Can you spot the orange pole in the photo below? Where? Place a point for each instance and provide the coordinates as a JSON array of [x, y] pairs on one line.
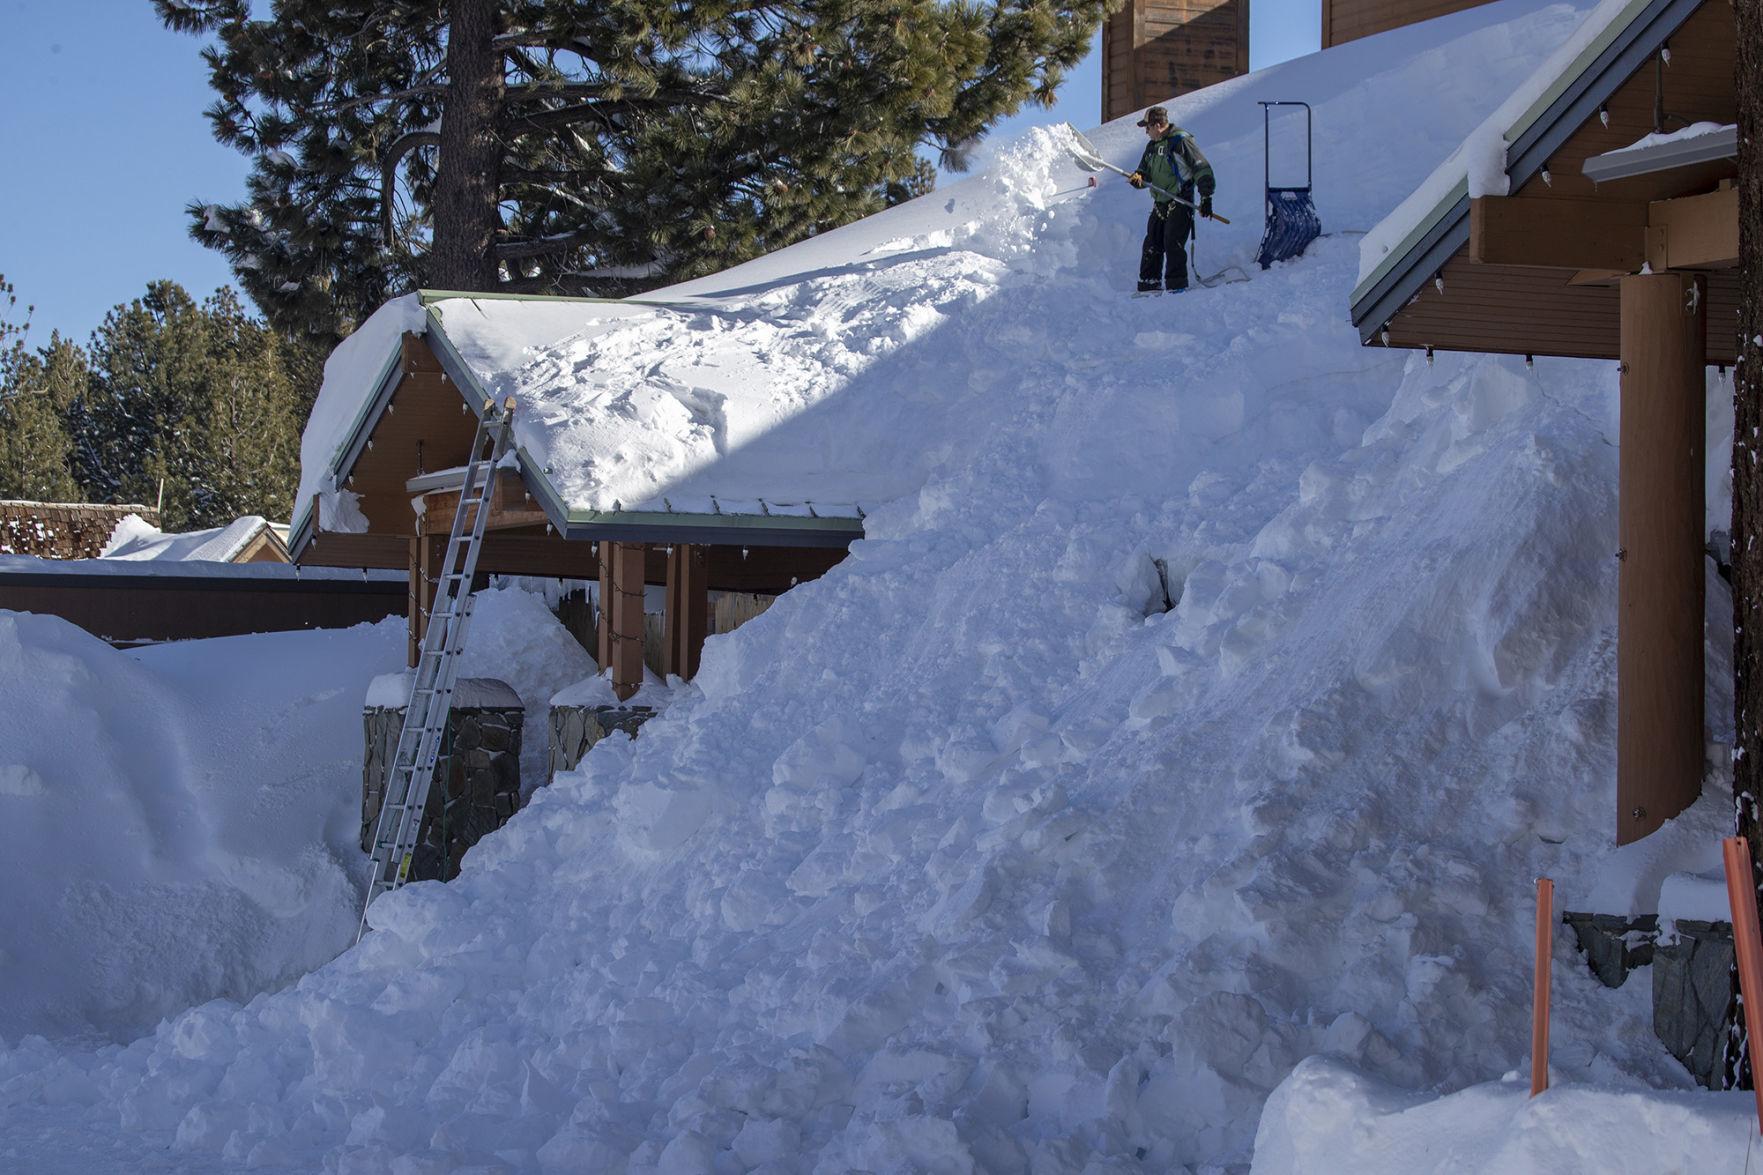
[[1742, 895], [1539, 1012]]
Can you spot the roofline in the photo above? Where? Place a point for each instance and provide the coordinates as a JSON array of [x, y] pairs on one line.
[[1524, 121], [430, 297], [301, 526], [752, 530], [1600, 69]]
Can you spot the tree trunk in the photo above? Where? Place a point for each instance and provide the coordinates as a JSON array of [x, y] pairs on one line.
[[468, 178], [1747, 452]]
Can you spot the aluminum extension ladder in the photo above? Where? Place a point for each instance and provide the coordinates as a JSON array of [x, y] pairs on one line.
[[412, 768]]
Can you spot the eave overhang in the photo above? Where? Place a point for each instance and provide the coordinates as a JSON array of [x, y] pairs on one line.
[[1570, 101]]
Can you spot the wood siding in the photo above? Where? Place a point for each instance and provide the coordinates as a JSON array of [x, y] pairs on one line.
[[1155, 50], [1348, 20]]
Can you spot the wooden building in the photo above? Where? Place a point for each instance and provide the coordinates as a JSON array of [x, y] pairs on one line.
[[1155, 50], [394, 475], [1618, 241], [1348, 20]]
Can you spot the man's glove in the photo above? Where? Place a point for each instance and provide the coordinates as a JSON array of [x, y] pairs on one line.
[[1136, 180], [1205, 205]]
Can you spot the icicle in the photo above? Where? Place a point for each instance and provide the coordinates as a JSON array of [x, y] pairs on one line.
[[1384, 334], [1429, 356], [1665, 53], [1604, 115], [1548, 180], [1438, 282]]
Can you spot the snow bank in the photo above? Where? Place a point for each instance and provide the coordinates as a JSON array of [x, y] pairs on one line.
[[175, 821], [1327, 1117], [180, 821], [972, 855]]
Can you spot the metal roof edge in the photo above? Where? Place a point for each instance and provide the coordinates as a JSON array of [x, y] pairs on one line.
[[1632, 161], [753, 530], [1365, 289]]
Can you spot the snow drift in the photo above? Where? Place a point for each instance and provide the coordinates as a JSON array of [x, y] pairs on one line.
[[1209, 703]]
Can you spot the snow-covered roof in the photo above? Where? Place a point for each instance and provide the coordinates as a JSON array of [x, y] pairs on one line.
[[744, 399], [137, 539], [1408, 246]]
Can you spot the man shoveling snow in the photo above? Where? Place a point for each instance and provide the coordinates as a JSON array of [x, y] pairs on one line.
[[1173, 167]]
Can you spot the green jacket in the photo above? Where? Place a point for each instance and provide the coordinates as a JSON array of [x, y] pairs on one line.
[[1172, 161]]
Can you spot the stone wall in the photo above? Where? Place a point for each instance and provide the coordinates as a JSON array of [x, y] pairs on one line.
[[477, 779], [62, 530], [1691, 978], [575, 730]]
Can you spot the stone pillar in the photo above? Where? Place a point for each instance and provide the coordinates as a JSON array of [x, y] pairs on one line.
[[575, 730], [1659, 672], [476, 783]]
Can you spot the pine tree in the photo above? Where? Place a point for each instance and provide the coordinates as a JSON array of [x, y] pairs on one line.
[[35, 392], [197, 399], [552, 146], [35, 389], [247, 430]]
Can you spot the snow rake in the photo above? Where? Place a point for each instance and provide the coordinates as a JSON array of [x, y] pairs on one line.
[[1084, 152], [410, 774], [1292, 222]]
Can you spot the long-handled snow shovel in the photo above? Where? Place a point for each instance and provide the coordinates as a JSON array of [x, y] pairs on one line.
[[1084, 152]]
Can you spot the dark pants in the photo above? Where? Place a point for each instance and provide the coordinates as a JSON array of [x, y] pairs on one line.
[[1166, 247]]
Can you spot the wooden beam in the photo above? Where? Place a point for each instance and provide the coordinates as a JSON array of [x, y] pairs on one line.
[[603, 631], [1696, 232], [688, 608], [1659, 660], [384, 552], [511, 506], [1557, 233]]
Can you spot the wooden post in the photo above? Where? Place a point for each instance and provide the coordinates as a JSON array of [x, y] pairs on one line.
[[431, 551], [1742, 896], [413, 606], [688, 608], [1539, 1009], [624, 610], [603, 629], [1659, 738]]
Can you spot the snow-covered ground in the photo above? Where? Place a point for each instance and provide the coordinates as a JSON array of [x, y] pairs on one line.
[[969, 856]]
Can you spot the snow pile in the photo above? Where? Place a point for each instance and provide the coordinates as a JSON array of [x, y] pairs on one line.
[[975, 854], [180, 821], [137, 539], [176, 820], [1363, 1126]]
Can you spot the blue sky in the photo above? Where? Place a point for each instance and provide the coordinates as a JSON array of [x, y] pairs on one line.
[[101, 117]]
